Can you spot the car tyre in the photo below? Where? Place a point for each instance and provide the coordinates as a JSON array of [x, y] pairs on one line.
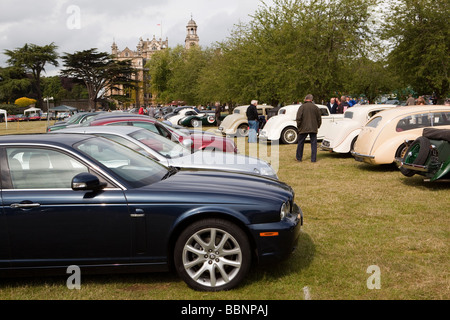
[[243, 130], [417, 153], [195, 123], [289, 135], [212, 255]]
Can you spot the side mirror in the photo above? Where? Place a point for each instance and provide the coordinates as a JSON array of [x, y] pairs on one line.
[[188, 143], [87, 181]]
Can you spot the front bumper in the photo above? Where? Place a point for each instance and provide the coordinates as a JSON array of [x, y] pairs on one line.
[[276, 241]]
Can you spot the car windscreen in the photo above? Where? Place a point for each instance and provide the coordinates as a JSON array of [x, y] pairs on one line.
[[132, 167], [165, 147]]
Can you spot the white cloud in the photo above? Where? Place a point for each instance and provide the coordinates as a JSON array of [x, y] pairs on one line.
[[102, 21]]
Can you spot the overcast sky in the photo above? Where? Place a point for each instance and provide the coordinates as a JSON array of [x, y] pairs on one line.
[[75, 25]]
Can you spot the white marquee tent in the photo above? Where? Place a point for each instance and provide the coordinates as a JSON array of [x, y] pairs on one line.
[[6, 116], [32, 110]]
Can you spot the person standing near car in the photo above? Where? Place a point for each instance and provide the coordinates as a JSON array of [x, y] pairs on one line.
[[218, 113], [309, 120], [253, 123], [343, 105], [411, 101]]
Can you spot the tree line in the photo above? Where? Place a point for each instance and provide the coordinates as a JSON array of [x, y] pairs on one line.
[[287, 50]]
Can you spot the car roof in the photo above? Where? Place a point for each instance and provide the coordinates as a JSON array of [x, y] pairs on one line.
[[131, 117], [44, 138], [101, 129], [397, 111]]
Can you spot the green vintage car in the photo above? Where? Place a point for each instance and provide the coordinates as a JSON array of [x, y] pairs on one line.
[[428, 155], [199, 119]]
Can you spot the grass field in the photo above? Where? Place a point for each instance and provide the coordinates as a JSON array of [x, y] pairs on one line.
[[355, 216]]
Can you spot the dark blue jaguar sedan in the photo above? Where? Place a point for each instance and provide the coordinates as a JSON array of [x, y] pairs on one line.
[[87, 201]]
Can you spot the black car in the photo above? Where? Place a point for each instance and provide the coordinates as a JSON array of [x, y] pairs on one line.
[[82, 200]]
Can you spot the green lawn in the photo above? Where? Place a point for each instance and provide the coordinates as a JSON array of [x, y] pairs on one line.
[[355, 216]]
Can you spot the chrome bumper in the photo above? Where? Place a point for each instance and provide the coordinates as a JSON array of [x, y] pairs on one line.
[[361, 157], [399, 162]]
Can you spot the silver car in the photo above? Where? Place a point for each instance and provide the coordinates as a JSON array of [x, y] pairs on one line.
[[174, 154]]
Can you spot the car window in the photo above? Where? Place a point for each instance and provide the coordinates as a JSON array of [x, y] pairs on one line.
[[414, 121], [236, 111], [165, 147], [131, 167], [348, 115], [282, 111], [118, 123], [441, 119], [374, 122], [372, 113], [127, 143], [147, 125], [324, 112], [35, 168]]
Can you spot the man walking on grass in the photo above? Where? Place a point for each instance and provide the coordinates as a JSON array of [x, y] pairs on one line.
[[309, 120]]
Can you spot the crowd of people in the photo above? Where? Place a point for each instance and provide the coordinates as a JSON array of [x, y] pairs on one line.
[[338, 105]]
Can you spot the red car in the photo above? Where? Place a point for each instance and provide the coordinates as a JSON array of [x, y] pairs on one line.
[[199, 141], [12, 118]]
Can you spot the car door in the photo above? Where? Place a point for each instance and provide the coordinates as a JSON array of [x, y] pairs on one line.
[[327, 122], [51, 224]]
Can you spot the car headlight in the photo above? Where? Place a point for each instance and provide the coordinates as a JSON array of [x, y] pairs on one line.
[[285, 209], [266, 170]]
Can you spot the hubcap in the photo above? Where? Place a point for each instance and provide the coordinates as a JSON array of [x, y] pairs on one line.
[[212, 257], [290, 136]]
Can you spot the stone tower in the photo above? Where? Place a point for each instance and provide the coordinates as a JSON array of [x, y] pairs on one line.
[[192, 38]]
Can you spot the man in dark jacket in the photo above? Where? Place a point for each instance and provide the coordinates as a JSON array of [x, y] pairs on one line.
[[309, 120], [252, 117]]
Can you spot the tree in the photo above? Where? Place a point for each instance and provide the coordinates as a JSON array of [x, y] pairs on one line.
[[418, 32], [13, 84], [24, 102], [33, 58], [98, 71], [294, 47]]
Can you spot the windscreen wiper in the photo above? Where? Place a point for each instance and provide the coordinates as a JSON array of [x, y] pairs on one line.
[[170, 172]]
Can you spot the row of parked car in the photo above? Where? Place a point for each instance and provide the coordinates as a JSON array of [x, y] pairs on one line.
[[386, 134], [375, 134], [123, 192]]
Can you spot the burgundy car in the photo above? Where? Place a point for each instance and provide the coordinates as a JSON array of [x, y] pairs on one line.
[[200, 141]]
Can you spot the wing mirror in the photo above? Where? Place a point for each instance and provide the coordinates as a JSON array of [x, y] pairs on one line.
[[87, 181]]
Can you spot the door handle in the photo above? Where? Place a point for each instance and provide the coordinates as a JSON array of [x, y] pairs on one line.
[[25, 205], [139, 214]]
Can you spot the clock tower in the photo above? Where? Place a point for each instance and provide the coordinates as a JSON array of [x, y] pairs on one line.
[[192, 38]]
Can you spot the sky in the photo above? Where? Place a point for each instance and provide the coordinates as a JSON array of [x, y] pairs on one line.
[[76, 25]]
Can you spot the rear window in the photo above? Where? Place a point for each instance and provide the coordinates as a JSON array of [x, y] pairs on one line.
[[348, 115], [430, 119], [374, 122]]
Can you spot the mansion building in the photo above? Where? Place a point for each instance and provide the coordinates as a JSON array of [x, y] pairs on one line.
[[142, 96]]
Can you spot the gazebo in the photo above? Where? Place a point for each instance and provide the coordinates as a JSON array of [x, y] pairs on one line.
[[5, 114], [32, 110]]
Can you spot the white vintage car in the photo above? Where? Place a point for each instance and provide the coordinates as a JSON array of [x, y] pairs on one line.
[[343, 134], [237, 124], [283, 126]]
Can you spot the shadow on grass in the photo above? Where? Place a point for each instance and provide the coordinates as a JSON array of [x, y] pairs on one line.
[[378, 168], [419, 182], [131, 280], [300, 259]]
